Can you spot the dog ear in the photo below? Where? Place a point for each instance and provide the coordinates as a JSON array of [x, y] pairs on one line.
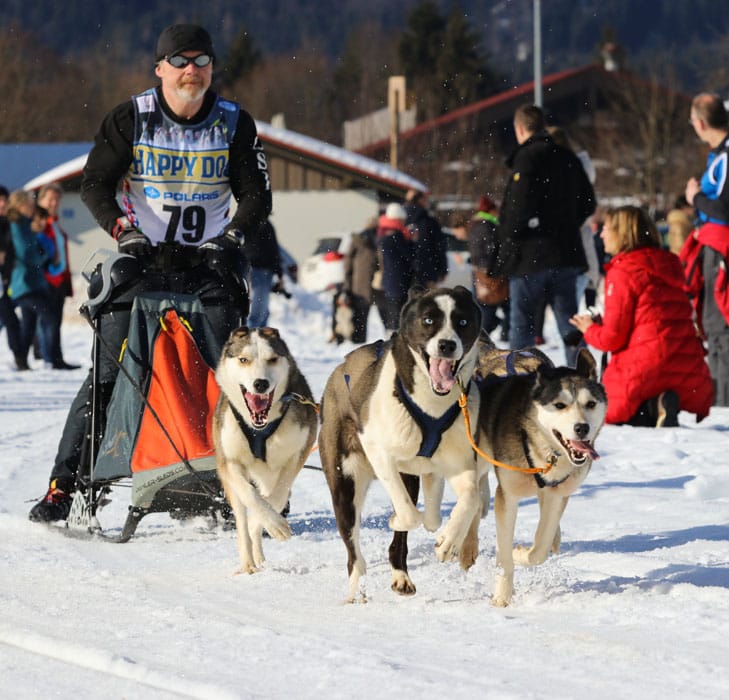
[[460, 289], [586, 365], [268, 332], [236, 335], [240, 333], [415, 292]]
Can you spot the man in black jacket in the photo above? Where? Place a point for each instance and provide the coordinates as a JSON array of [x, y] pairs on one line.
[[264, 258], [546, 201], [430, 262], [180, 151]]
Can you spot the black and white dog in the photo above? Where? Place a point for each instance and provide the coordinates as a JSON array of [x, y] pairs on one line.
[[390, 411]]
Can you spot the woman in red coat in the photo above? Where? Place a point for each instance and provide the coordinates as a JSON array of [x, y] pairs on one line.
[[657, 364]]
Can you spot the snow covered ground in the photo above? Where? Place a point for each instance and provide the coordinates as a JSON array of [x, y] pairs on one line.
[[635, 605]]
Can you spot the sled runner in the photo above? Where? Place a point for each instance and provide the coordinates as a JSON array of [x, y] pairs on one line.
[[157, 429]]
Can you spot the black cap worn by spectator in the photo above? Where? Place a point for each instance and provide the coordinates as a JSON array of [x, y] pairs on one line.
[[183, 37]]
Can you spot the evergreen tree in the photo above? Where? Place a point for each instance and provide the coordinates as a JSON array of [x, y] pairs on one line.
[[241, 59], [442, 61], [462, 71]]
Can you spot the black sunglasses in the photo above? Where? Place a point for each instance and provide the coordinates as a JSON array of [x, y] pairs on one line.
[[181, 61]]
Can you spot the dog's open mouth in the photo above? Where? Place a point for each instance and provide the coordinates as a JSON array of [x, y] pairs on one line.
[[578, 451], [258, 407], [442, 373]]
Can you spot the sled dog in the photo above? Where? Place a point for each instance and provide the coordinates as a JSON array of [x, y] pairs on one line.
[[342, 317], [264, 426], [543, 419], [390, 412]]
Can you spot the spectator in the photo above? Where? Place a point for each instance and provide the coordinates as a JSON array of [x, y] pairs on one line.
[[58, 271], [360, 265], [587, 282], [710, 198], [546, 201], [430, 262], [460, 229], [28, 286], [680, 221], [483, 246], [8, 318], [395, 262], [264, 259], [657, 364], [187, 247]]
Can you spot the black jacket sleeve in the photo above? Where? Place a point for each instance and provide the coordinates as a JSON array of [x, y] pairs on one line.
[[250, 181], [106, 164]]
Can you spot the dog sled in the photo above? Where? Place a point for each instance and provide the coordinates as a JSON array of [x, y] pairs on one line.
[[155, 437]]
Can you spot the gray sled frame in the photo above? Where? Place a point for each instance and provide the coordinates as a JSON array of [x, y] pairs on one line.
[[185, 487]]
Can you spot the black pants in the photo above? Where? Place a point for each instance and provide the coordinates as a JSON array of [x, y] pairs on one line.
[[12, 325], [389, 309], [718, 358], [360, 315], [224, 308]]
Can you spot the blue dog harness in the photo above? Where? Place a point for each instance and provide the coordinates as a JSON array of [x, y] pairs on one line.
[[432, 429], [257, 436]]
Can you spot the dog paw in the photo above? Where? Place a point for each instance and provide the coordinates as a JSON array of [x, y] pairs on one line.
[[276, 526], [468, 555], [521, 555], [527, 556], [446, 549], [249, 568], [403, 523], [402, 584], [503, 591], [357, 599]]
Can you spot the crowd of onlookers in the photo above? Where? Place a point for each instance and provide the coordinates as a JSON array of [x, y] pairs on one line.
[[36, 278], [655, 304]]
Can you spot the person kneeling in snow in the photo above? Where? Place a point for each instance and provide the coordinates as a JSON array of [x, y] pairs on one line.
[[657, 364]]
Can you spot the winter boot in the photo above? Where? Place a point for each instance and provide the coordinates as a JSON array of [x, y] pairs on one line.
[[56, 504], [668, 407]]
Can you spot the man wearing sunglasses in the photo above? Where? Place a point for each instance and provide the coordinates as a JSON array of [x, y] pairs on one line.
[[180, 152]]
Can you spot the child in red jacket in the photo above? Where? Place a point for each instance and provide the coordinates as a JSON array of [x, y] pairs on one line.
[[657, 364]]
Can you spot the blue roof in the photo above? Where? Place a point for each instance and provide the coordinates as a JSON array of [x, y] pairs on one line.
[[21, 162]]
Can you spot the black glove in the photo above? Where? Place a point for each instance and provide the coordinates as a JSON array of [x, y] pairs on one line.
[[130, 240], [231, 239], [224, 255]]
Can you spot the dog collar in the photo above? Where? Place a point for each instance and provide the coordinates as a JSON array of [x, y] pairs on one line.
[[541, 481]]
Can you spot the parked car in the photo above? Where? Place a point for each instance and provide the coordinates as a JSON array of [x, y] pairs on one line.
[[324, 269]]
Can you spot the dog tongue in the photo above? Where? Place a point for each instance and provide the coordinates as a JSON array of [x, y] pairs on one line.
[[256, 402], [585, 448], [441, 374]]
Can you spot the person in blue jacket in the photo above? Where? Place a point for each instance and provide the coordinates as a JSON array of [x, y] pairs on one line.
[[28, 287]]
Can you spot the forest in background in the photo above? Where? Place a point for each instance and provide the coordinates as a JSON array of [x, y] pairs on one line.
[[321, 63]]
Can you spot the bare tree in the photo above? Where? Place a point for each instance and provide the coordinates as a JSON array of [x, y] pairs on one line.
[[644, 136]]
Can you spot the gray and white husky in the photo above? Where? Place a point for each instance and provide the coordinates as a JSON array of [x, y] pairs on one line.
[[264, 427], [547, 418]]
